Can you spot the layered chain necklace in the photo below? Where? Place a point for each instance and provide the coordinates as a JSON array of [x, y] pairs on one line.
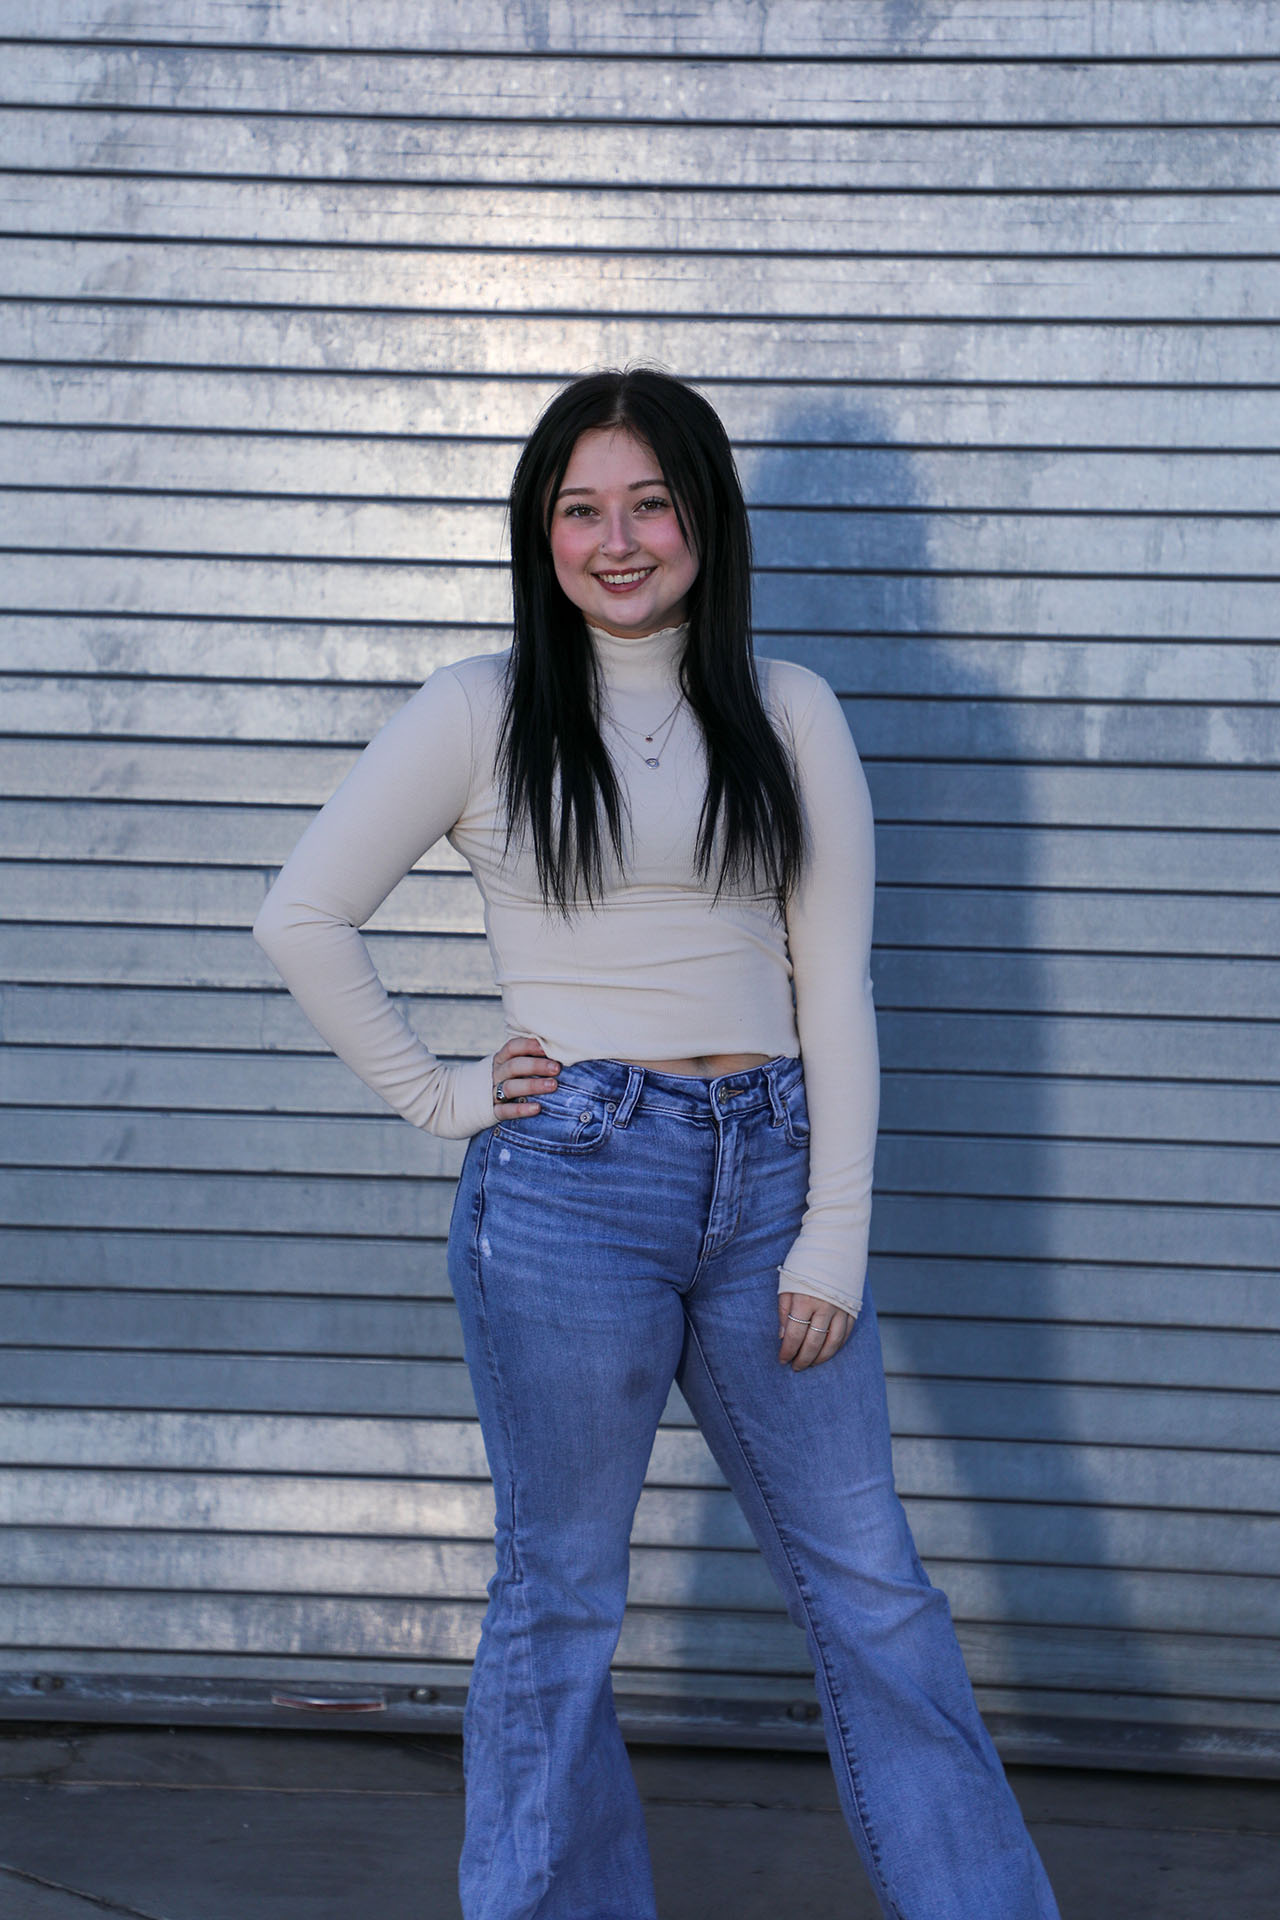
[[668, 723]]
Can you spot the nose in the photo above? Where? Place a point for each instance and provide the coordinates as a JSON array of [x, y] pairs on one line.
[[615, 534]]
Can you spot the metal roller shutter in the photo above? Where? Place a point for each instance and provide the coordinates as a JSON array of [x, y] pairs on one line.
[[986, 296]]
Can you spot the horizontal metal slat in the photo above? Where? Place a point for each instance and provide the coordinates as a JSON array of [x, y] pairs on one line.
[[999, 1225], [38, 650], [80, 1320], [1178, 480], [952, 911], [256, 589], [783, 409], [922, 1039], [1029, 1104], [1042, 353], [1043, 800], [247, 80], [963, 980], [786, 537], [190, 840], [183, 956], [979, 1162], [1141, 1472], [260, 1022], [1012, 1227], [309, 191], [954, 1284], [979, 1529], [668, 285], [931, 1406], [441, 1573], [1129, 29], [1161, 1663]]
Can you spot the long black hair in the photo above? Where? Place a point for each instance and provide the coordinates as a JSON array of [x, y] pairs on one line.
[[555, 773]]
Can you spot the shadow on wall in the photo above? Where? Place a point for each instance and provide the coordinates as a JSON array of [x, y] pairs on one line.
[[988, 1428]]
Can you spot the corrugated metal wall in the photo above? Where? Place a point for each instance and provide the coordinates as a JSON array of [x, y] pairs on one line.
[[985, 294]]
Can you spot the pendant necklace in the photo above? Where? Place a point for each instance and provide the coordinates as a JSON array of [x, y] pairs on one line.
[[654, 759]]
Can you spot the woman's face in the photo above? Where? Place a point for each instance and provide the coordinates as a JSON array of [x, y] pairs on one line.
[[617, 546]]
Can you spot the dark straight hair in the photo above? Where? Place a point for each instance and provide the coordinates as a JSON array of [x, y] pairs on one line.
[[555, 772]]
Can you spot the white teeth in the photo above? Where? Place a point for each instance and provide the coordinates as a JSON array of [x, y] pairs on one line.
[[624, 579]]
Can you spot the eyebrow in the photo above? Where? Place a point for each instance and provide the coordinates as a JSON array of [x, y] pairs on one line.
[[635, 487]]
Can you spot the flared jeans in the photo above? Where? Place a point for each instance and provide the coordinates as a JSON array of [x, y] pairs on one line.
[[626, 1236]]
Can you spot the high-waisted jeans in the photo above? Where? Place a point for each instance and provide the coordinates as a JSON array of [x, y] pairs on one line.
[[627, 1235]]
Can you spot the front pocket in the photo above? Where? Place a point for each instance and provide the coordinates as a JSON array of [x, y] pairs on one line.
[[567, 1122]]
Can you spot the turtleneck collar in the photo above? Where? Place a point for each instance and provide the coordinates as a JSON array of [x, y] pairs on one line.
[[634, 666]]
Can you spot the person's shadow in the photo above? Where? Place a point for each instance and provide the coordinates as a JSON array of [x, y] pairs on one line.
[[990, 1414]]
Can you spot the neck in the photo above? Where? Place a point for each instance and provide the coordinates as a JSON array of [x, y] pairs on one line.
[[635, 665]]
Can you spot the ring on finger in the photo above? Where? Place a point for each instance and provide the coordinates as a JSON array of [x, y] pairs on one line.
[[500, 1092], [811, 1324]]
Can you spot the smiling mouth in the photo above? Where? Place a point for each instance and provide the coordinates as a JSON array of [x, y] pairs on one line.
[[625, 579]]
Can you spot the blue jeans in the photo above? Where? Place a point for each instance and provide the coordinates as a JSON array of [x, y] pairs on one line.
[[627, 1235]]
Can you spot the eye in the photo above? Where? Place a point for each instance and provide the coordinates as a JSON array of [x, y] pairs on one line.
[[655, 500], [577, 510]]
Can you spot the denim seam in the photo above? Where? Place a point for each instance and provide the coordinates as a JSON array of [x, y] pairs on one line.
[[651, 1106], [581, 1146], [708, 1253], [847, 1743], [518, 1584]]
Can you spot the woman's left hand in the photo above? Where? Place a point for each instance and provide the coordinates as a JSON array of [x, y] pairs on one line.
[[809, 1330]]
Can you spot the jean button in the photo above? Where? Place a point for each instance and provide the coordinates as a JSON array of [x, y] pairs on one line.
[[586, 1116]]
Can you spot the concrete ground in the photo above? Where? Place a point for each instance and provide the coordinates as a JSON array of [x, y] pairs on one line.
[[152, 1823]]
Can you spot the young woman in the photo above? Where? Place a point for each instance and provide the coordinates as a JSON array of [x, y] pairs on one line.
[[669, 1169]]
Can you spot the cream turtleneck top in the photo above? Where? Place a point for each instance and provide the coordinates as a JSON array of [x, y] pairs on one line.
[[658, 972]]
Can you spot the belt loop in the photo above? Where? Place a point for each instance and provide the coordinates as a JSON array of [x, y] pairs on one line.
[[775, 1098], [626, 1106]]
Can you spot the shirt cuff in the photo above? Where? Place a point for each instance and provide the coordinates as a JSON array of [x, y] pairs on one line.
[[789, 1282], [465, 1106]]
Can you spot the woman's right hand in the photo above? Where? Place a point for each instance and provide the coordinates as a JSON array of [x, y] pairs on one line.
[[522, 1069]]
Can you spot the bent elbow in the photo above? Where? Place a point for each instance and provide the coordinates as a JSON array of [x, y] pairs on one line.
[[266, 926], [277, 918], [287, 921]]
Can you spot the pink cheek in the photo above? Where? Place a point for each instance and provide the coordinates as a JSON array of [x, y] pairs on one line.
[[567, 549]]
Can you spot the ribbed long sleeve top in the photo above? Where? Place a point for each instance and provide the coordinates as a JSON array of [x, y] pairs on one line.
[[658, 970]]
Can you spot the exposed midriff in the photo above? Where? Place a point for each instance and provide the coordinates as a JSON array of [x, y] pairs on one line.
[[708, 1066]]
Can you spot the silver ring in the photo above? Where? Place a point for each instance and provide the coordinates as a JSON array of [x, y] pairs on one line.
[[811, 1324], [500, 1093]]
